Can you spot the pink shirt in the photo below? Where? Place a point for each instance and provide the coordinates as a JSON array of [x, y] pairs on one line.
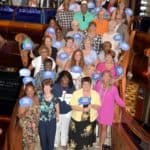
[[108, 99], [101, 67]]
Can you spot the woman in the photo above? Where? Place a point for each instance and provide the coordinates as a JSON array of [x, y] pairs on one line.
[[49, 113], [89, 71], [64, 6], [37, 63], [106, 46], [95, 38], [108, 64], [109, 95], [47, 42], [76, 31], [119, 14], [63, 88], [90, 56], [64, 16], [109, 4], [38, 78], [77, 59], [100, 3], [109, 36], [68, 49], [33, 3], [25, 55], [83, 118], [29, 118], [67, 4], [53, 24], [101, 22], [59, 38]]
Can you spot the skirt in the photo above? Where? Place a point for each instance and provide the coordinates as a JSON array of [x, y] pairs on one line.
[[82, 134]]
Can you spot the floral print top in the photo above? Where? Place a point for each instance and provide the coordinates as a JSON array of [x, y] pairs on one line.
[[47, 108]]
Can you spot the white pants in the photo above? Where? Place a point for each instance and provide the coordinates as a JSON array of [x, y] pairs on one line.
[[62, 129]]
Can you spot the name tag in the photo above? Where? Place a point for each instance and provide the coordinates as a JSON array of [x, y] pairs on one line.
[[66, 98]]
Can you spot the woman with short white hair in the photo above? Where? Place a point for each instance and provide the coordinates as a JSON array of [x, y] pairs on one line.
[[76, 34]]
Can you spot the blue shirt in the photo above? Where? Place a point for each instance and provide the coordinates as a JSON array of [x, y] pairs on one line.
[[90, 58]]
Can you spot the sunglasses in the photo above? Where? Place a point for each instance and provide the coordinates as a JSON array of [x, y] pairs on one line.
[[83, 18]]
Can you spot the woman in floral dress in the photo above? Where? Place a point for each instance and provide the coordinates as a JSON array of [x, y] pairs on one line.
[[29, 118]]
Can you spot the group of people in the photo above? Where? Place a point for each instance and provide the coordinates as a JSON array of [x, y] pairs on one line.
[[67, 107]]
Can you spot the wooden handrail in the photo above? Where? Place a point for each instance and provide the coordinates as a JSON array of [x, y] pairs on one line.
[[5, 118], [13, 140], [120, 139], [26, 25], [135, 127], [118, 131], [33, 30]]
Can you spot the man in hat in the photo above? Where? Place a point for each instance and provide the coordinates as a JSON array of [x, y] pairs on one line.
[[84, 17]]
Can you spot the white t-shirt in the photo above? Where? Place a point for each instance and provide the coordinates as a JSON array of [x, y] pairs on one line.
[[38, 65]]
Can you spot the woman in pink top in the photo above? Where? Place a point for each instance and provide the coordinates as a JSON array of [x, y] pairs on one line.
[[108, 64], [109, 95]]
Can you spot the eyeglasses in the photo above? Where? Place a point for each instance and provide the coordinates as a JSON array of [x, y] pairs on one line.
[[83, 18]]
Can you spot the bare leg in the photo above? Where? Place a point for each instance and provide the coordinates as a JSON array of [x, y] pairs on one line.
[[31, 146], [103, 133]]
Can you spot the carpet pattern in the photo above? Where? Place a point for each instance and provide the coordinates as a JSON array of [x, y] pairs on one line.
[[131, 97]]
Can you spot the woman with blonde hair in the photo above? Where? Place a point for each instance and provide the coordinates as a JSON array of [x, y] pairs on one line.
[[76, 32], [101, 22], [68, 51], [109, 96], [90, 56]]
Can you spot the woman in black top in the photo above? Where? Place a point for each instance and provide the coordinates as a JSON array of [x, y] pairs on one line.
[[63, 88]]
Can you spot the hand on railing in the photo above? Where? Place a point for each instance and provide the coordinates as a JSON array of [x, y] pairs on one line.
[[125, 116], [1, 131]]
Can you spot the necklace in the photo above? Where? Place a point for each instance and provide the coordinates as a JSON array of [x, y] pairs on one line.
[[47, 97]]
